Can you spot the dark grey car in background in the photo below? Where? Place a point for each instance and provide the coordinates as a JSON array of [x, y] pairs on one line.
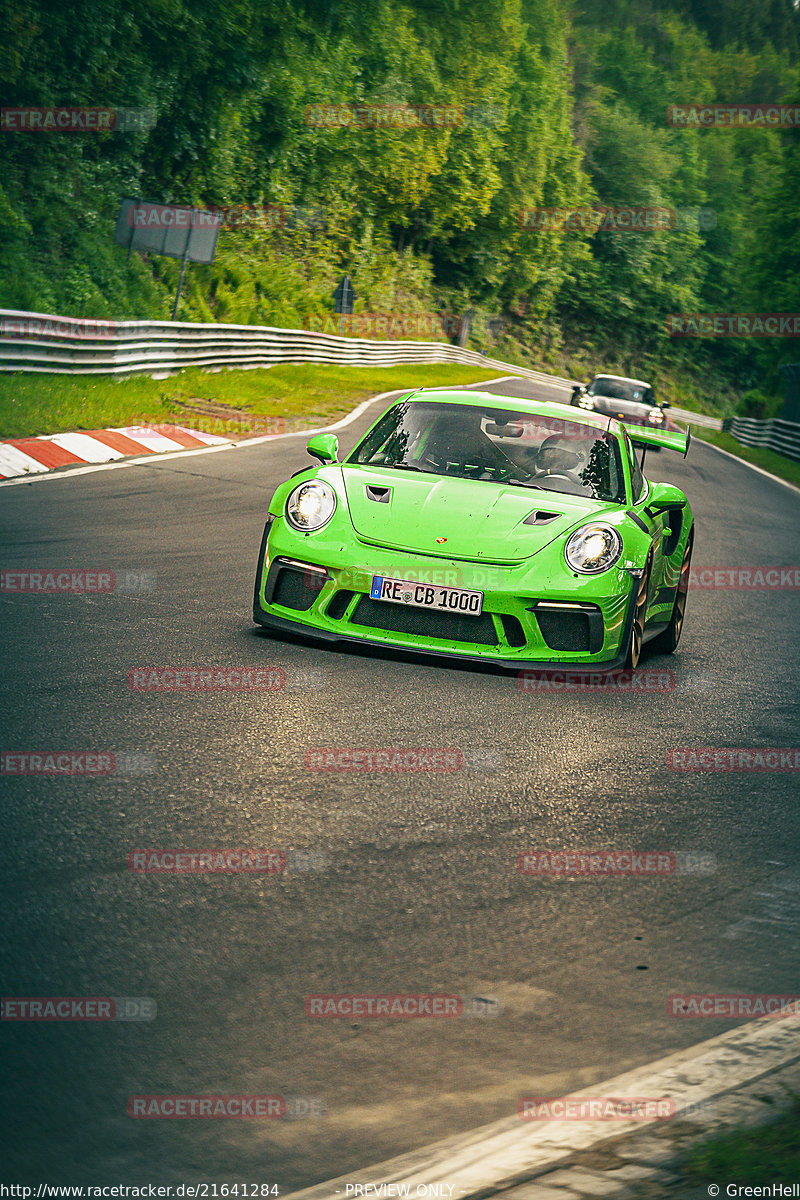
[[630, 400]]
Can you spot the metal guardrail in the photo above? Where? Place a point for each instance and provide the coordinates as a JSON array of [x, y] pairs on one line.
[[42, 342], [693, 418], [775, 434]]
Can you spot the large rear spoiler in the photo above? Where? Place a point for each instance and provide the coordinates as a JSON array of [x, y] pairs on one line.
[[671, 439]]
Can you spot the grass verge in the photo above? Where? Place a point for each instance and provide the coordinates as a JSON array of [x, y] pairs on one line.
[[765, 1155], [299, 395], [768, 460]]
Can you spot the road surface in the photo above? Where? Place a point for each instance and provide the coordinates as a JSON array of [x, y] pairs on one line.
[[415, 886]]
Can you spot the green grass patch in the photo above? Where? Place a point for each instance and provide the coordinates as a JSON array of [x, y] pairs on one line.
[[768, 1154], [300, 394], [768, 460]]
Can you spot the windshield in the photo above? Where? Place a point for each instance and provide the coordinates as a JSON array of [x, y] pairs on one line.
[[620, 389], [469, 441]]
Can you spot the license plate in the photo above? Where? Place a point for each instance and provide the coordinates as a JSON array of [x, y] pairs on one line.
[[426, 595]]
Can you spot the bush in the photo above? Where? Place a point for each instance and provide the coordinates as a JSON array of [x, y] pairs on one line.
[[758, 405]]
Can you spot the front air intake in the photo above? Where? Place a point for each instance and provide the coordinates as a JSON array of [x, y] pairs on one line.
[[571, 628], [293, 585], [422, 622], [338, 605], [512, 628]]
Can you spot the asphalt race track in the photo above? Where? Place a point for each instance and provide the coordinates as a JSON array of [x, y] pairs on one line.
[[414, 885]]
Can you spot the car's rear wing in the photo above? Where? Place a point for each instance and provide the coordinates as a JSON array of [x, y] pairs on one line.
[[671, 439]]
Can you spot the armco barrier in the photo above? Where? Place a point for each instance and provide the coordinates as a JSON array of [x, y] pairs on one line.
[[69, 345], [42, 342], [782, 436]]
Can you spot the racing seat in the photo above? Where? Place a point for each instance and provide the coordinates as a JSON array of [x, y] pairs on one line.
[[451, 441]]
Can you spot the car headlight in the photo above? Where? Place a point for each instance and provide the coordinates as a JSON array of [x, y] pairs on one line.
[[593, 548], [310, 506], [655, 416], [586, 402]]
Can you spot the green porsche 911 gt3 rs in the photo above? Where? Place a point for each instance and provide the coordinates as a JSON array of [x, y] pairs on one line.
[[482, 527]]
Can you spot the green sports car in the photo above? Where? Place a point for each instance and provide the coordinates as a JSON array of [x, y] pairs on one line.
[[483, 527]]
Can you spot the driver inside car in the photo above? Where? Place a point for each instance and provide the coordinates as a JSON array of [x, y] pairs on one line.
[[566, 460]]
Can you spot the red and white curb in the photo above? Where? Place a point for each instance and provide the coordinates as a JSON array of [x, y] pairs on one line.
[[18, 466], [512, 1151], [36, 455], [22, 459]]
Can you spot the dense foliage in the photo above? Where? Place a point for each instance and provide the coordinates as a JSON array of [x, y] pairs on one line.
[[560, 106]]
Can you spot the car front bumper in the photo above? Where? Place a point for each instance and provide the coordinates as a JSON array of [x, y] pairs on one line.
[[533, 617]]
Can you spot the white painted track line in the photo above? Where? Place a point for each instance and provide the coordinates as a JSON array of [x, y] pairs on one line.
[[752, 466], [174, 449], [180, 452]]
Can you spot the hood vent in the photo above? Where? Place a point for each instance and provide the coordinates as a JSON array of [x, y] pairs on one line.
[[379, 494], [538, 517]]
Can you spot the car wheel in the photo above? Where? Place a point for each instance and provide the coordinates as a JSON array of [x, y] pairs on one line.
[[667, 642], [636, 639]]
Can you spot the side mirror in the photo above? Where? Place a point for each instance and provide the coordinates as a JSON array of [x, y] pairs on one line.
[[665, 404], [324, 446], [663, 497]]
